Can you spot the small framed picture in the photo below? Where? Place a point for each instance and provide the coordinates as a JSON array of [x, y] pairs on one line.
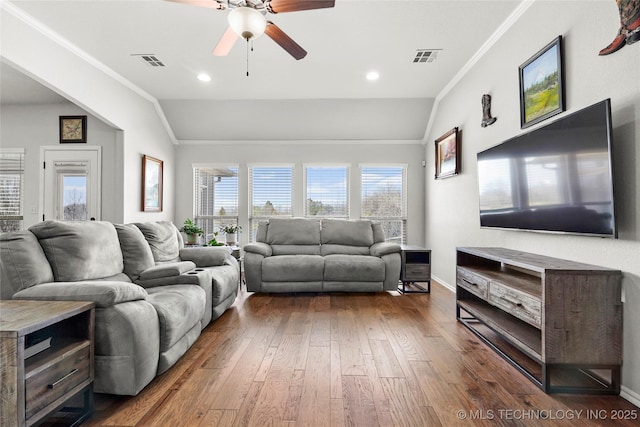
[[73, 129], [152, 170], [541, 85], [448, 154]]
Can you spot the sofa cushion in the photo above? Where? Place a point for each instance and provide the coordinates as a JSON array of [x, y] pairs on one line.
[[343, 232], [102, 293], [22, 263], [296, 249], [357, 268], [135, 250], [330, 249], [179, 307], [80, 250], [293, 231], [163, 240], [297, 268]]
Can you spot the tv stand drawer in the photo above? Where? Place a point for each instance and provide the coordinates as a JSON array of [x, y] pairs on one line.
[[516, 303]]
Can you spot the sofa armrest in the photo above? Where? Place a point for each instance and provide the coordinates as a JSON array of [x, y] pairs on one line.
[[102, 293], [384, 248], [208, 256], [166, 270], [258, 248]]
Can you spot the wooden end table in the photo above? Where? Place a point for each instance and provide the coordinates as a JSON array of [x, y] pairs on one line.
[[46, 348], [416, 267]]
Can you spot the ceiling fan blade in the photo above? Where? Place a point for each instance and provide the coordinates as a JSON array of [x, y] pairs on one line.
[[212, 4], [284, 41], [278, 6], [226, 43]]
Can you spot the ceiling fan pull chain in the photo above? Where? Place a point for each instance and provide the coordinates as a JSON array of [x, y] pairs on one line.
[[247, 57]]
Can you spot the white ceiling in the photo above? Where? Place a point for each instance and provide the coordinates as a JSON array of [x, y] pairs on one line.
[[323, 96]]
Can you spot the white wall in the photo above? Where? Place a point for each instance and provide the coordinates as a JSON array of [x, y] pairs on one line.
[[298, 154], [60, 66], [33, 126], [452, 205]]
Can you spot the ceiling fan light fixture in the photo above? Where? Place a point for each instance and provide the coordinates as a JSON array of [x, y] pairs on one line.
[[247, 22]]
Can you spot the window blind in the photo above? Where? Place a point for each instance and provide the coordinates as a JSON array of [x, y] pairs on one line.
[[270, 193], [11, 190]]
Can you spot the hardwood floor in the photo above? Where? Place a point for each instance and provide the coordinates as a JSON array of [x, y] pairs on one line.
[[349, 360]]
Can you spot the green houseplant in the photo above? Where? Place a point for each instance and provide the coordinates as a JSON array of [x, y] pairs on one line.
[[192, 231], [214, 241], [231, 233]]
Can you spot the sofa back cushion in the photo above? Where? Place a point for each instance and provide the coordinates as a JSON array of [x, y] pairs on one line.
[[22, 263], [136, 252], [349, 233], [293, 231], [80, 250], [162, 237]]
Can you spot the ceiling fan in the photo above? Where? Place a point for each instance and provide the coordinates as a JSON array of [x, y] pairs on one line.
[[248, 20]]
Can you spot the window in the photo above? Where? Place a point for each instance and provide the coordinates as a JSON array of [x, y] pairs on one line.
[[384, 199], [270, 193], [327, 191], [11, 189], [215, 198]]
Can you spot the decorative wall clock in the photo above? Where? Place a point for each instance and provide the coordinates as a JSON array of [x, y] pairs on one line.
[[73, 129]]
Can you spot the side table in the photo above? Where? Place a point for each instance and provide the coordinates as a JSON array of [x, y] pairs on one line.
[[416, 267], [46, 348]]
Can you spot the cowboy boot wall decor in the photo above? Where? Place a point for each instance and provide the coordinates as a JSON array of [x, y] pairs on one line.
[[629, 31], [486, 111]]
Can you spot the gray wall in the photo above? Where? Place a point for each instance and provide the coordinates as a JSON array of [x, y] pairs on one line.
[[298, 154], [139, 128], [452, 204], [33, 126]]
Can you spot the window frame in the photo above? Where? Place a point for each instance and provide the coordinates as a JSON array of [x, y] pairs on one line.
[[404, 199], [306, 167], [211, 223]]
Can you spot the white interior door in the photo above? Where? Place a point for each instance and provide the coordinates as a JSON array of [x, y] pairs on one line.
[[71, 183]]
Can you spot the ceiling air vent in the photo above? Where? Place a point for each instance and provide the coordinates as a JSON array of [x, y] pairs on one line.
[[150, 59], [426, 55]]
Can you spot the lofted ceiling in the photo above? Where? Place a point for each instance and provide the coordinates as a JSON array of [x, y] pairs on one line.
[[324, 96]]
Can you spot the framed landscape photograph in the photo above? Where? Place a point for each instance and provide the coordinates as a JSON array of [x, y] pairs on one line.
[[151, 184], [541, 85], [448, 154]]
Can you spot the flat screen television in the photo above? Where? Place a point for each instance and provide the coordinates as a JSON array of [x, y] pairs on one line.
[[557, 178]]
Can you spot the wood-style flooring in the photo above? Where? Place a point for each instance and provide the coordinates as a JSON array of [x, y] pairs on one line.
[[383, 359]]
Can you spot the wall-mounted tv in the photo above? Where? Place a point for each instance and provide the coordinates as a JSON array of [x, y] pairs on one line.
[[557, 178]]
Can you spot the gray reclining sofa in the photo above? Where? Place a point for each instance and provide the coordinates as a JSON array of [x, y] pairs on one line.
[[321, 255], [152, 295]]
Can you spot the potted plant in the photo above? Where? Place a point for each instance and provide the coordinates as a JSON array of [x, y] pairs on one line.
[[191, 230], [214, 241], [231, 233]]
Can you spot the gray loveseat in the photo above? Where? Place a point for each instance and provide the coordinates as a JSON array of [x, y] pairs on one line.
[[321, 255], [152, 295]]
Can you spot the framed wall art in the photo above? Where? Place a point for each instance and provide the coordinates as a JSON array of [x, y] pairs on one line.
[[541, 85], [152, 171], [448, 154], [73, 129]]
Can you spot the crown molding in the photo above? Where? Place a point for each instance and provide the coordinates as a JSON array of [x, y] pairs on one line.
[[302, 142], [486, 46]]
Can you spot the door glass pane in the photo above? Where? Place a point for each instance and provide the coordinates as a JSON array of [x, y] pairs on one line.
[[74, 194]]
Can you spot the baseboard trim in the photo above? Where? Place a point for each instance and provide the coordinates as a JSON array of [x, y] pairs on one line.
[[627, 394], [444, 283]]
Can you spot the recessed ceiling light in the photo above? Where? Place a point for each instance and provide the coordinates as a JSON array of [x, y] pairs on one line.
[[373, 75], [204, 77]]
